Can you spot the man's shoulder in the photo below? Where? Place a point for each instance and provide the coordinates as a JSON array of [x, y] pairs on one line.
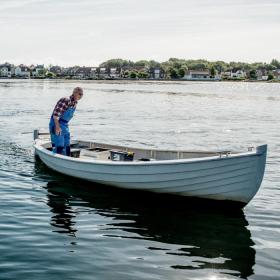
[[64, 100]]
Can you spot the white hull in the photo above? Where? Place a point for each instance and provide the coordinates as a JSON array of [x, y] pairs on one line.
[[236, 177]]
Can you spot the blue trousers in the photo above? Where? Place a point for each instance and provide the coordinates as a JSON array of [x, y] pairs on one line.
[[60, 143]]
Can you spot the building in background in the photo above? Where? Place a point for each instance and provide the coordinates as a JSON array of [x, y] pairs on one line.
[[156, 73], [115, 73], [262, 75], [38, 71], [22, 71], [7, 70], [197, 75], [237, 74]]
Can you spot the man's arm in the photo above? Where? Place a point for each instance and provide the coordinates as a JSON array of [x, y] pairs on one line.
[[61, 106], [57, 126]]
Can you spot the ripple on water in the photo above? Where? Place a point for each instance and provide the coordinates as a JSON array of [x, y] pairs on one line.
[[54, 227]]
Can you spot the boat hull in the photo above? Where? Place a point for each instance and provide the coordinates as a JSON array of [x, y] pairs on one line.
[[235, 178]]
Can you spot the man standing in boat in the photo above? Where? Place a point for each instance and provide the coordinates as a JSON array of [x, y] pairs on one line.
[[62, 114]]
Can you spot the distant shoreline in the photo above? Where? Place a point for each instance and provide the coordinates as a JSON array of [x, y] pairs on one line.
[[145, 80]]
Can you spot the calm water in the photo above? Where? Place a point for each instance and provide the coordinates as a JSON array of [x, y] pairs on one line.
[[54, 227]]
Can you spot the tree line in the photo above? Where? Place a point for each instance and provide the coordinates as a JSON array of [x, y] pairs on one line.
[[176, 68]]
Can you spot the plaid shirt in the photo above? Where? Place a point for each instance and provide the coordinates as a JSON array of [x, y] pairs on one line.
[[62, 105]]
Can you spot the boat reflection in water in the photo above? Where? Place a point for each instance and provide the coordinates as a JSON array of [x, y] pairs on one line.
[[63, 214], [206, 234]]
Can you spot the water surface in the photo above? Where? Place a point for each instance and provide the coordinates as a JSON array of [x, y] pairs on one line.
[[54, 227]]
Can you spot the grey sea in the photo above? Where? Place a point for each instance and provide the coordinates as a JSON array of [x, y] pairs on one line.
[[57, 227]]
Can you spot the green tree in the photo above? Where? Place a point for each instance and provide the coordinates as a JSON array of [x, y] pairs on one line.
[[132, 75], [42, 72], [126, 74], [176, 63], [174, 67], [253, 75], [198, 65], [257, 65], [221, 66], [181, 72], [173, 72], [212, 72], [154, 64], [142, 75], [270, 77], [117, 62], [142, 63], [50, 75], [275, 63]]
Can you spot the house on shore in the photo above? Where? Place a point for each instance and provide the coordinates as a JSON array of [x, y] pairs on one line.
[[69, 72], [115, 72], [103, 73], [38, 71], [65, 72], [22, 71], [57, 70], [7, 70], [226, 74], [94, 72], [85, 73], [194, 75], [237, 74], [262, 75], [156, 73], [276, 74]]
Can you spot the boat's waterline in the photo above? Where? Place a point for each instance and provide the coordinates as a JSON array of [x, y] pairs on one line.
[[236, 177]]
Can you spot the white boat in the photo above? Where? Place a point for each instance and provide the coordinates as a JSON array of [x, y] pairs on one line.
[[219, 175]]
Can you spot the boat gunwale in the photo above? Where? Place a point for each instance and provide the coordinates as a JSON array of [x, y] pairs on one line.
[[39, 147]]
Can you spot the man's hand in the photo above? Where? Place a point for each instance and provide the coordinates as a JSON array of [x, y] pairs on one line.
[[57, 130]]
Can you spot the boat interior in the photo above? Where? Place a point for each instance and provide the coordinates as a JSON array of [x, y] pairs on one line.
[[106, 152]]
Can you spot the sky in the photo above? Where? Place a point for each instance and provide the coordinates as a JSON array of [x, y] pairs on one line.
[[88, 32]]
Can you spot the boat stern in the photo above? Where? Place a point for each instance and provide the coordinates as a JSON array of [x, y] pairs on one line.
[[262, 153]]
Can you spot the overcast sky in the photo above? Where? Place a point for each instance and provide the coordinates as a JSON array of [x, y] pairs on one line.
[[88, 32]]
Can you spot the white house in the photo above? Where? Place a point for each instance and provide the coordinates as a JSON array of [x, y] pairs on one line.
[[226, 74], [94, 72], [115, 73], [197, 75], [6, 70], [85, 73], [22, 71], [262, 75], [104, 73], [238, 74]]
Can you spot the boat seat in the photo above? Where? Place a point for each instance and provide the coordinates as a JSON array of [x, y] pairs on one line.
[[75, 153], [101, 155]]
